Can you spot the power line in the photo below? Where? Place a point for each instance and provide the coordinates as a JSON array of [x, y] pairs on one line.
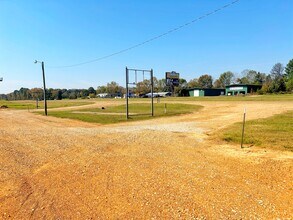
[[150, 39]]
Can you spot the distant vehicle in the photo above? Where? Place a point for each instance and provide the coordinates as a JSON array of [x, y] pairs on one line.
[[164, 94], [103, 95], [157, 94]]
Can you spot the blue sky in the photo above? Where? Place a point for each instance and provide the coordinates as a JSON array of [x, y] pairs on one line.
[[252, 34]]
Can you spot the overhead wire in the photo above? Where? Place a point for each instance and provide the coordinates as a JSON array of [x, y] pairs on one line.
[[150, 39]]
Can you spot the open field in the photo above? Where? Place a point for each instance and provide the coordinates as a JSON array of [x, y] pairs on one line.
[[31, 104], [273, 132], [166, 168], [270, 97], [116, 113]]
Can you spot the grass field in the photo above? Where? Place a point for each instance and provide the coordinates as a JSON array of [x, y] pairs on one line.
[[273, 132], [115, 114], [31, 104], [271, 97]]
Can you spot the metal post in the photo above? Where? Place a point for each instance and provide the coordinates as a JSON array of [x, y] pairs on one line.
[[243, 127], [37, 102], [126, 96], [152, 91], [44, 82], [165, 108]]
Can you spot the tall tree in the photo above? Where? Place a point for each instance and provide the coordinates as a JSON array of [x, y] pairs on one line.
[[86, 92], [57, 94], [289, 76], [101, 89], [180, 90], [277, 75], [289, 69], [91, 90], [161, 85], [143, 87], [218, 84], [259, 78], [277, 71], [193, 83], [112, 87], [224, 80], [37, 93], [247, 77], [251, 75], [182, 83], [205, 81]]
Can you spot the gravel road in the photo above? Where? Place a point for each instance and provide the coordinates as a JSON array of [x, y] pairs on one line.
[[167, 168]]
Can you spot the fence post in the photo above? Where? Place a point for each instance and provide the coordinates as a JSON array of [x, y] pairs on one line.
[[243, 127]]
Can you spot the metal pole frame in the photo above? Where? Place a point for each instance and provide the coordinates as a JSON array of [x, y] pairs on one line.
[[127, 87]]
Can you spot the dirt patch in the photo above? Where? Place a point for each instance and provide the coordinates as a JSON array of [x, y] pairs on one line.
[[163, 168]]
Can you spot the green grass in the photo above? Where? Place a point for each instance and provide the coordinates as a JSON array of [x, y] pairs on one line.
[[102, 119], [17, 105], [273, 132], [139, 111], [145, 108], [30, 104], [271, 97]]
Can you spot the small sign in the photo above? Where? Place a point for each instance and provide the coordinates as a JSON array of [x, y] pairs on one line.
[[172, 75], [172, 78], [236, 88]]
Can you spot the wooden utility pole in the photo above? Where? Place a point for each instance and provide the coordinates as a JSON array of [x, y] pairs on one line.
[[44, 83], [127, 93]]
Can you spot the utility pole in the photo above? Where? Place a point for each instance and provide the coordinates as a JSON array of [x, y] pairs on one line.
[[44, 85], [152, 91], [126, 95]]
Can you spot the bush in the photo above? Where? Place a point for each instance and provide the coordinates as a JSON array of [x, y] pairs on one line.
[[92, 95], [289, 85]]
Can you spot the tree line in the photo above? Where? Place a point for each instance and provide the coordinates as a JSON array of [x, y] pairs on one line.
[[280, 79], [51, 94]]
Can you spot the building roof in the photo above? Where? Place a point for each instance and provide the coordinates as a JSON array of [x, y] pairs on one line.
[[205, 88], [243, 85]]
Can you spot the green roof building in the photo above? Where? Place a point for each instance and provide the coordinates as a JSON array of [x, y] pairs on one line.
[[196, 92], [241, 89]]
